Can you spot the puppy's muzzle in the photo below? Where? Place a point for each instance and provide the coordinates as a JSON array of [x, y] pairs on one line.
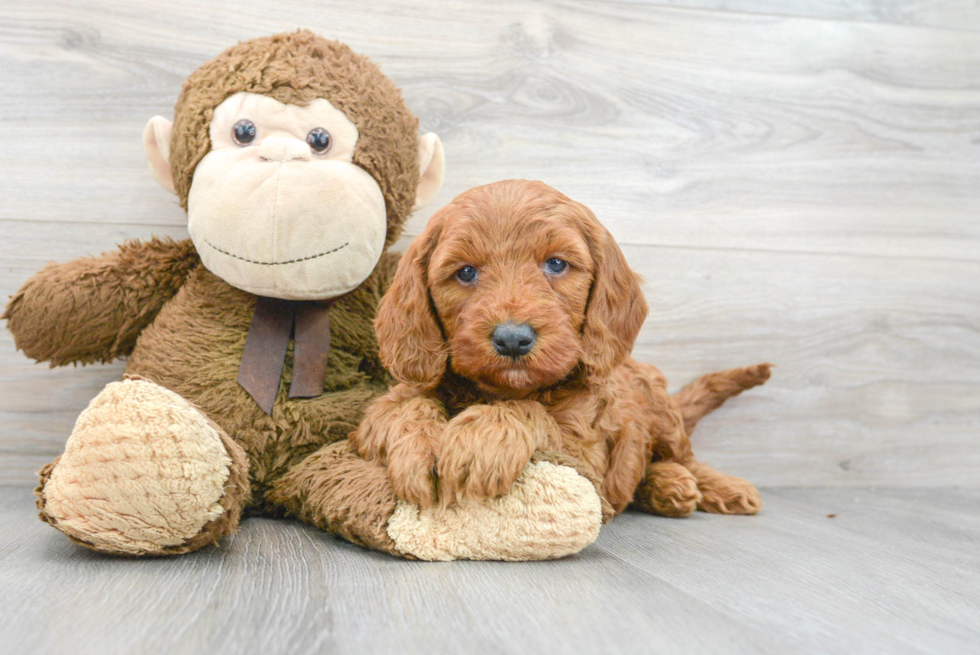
[[512, 340]]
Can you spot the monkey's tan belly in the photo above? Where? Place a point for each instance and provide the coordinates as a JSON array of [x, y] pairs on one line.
[[201, 364]]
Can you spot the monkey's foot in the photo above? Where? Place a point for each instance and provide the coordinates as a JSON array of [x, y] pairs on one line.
[[550, 512], [144, 472]]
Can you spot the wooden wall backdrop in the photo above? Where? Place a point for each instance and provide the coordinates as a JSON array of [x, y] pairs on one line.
[[798, 182]]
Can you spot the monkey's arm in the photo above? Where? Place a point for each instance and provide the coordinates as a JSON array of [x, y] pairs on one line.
[[92, 309]]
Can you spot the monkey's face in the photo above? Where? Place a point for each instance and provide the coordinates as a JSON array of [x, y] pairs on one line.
[[277, 207], [298, 163]]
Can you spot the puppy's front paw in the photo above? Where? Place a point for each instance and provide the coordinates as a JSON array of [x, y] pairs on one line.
[[412, 475], [401, 434], [484, 449]]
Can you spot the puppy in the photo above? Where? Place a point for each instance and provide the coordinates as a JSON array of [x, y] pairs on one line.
[[509, 326]]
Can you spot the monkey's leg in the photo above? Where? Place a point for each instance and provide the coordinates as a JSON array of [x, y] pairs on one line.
[[722, 493], [551, 511], [668, 489], [144, 472]]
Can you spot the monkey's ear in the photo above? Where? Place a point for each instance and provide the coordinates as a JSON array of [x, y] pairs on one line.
[[156, 142], [432, 168]]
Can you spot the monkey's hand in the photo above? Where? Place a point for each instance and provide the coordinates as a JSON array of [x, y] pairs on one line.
[[92, 309], [402, 430], [486, 447]]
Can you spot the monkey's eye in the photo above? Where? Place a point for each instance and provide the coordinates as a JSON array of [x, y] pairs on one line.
[[319, 140], [555, 266], [466, 275], [243, 132]]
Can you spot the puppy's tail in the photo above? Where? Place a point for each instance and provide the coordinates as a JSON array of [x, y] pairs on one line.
[[708, 392]]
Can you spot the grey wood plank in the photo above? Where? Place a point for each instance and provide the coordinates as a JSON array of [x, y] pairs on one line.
[[798, 190], [895, 571], [946, 14], [726, 130], [877, 361], [851, 575]]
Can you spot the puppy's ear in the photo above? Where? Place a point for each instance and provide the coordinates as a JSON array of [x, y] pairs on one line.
[[409, 337], [616, 308]]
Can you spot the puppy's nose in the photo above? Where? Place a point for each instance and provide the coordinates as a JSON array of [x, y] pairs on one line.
[[512, 340]]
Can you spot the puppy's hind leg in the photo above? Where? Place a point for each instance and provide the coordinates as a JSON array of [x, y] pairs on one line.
[[722, 493]]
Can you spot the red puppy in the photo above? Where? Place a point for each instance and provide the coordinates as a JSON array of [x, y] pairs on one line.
[[509, 325]]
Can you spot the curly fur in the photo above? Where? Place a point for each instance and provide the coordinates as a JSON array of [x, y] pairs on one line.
[[465, 421]]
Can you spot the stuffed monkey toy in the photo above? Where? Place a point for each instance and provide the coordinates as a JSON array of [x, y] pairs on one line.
[[250, 348]]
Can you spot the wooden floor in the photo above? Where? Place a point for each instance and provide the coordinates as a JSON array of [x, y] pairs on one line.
[[798, 181], [894, 571]]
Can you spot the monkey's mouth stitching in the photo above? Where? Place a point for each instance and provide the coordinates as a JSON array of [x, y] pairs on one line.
[[291, 261]]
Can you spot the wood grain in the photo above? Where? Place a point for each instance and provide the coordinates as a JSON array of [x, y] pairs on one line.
[[797, 190], [945, 14], [895, 571]]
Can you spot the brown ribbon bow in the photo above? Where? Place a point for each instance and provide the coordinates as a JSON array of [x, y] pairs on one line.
[[273, 324]]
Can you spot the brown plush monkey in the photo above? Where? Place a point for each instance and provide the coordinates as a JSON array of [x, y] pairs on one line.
[[251, 347]]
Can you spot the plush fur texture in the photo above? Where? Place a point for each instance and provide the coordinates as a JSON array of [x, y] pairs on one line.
[[466, 420], [93, 309], [202, 366], [296, 68], [193, 347], [532, 522], [184, 329], [142, 452], [337, 491], [305, 226]]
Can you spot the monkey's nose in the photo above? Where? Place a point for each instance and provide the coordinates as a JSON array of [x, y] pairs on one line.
[[511, 340], [278, 148]]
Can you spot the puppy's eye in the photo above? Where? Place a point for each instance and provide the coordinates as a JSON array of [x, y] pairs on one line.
[[243, 132], [555, 266], [466, 275], [319, 140]]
